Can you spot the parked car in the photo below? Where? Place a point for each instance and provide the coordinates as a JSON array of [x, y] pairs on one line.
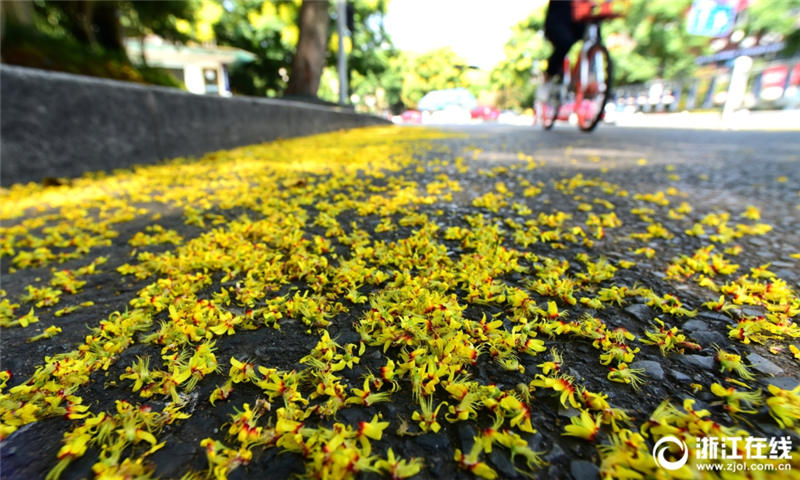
[[509, 117], [411, 116], [451, 97], [485, 113], [612, 111], [450, 115]]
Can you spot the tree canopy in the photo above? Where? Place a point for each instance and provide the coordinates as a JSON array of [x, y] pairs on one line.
[[776, 17], [525, 51], [651, 41], [268, 29], [86, 36], [434, 70]]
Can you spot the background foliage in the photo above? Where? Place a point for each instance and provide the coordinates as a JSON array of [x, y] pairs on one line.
[[650, 42]]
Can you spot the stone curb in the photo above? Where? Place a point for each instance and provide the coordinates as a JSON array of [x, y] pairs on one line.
[[62, 125]]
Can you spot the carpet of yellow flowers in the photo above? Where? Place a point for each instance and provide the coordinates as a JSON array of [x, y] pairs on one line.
[[334, 306]]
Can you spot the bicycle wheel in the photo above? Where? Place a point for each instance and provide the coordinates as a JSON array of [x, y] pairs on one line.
[[597, 88], [547, 109]]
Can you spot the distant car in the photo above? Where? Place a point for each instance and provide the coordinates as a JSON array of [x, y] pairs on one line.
[[611, 112], [451, 115], [614, 112], [449, 98], [411, 116], [485, 113], [509, 117]]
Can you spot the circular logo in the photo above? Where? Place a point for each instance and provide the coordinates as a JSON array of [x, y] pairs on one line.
[[659, 450]]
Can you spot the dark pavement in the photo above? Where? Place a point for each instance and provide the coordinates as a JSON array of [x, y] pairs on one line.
[[500, 213]]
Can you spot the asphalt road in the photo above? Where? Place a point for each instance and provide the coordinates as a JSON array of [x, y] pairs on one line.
[[741, 166], [719, 174]]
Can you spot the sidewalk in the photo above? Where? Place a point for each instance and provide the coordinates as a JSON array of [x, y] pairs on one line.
[[741, 120]]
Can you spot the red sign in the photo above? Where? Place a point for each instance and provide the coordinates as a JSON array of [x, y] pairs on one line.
[[774, 76], [795, 80]]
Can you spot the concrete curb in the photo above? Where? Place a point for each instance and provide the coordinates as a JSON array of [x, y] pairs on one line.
[[62, 125]]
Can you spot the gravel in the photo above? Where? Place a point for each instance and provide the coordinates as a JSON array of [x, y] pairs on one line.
[[680, 376], [763, 365], [652, 368], [695, 325], [708, 338], [785, 383], [640, 312], [583, 470], [699, 361]]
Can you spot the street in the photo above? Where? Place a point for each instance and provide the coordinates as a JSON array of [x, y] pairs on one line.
[[718, 167], [436, 292]]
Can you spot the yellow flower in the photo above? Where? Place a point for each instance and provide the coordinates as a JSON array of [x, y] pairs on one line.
[[735, 398], [242, 371], [471, 463], [427, 416], [49, 332], [563, 384], [730, 362], [583, 426], [795, 351], [784, 406], [398, 469], [623, 374]]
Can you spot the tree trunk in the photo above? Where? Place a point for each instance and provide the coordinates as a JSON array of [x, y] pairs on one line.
[[20, 12], [79, 13], [309, 59], [105, 18]]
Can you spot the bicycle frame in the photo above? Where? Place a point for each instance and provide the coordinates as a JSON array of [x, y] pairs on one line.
[[591, 37], [580, 71], [581, 96]]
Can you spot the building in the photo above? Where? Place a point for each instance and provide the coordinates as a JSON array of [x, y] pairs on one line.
[[772, 76], [203, 69]]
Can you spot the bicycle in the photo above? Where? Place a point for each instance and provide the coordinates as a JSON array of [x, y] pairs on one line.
[[585, 97]]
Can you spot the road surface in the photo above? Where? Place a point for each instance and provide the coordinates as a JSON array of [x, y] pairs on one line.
[[489, 290]]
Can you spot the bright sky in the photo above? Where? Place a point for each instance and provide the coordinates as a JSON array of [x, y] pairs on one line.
[[475, 29]]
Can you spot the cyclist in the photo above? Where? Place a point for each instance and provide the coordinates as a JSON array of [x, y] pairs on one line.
[[583, 97], [563, 32]]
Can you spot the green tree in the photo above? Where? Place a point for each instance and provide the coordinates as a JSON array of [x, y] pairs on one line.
[[86, 36], [106, 23], [309, 56], [525, 53], [369, 55], [267, 29], [779, 17], [653, 42], [434, 70], [270, 30]]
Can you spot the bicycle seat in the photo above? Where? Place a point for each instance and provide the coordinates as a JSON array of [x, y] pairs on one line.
[[600, 17], [587, 11]]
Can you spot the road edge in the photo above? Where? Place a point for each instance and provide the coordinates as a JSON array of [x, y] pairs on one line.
[[62, 125]]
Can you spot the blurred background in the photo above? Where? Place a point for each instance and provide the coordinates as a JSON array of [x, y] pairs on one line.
[[417, 62]]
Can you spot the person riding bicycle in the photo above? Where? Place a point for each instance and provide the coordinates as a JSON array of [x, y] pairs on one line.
[[579, 94], [563, 31]]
